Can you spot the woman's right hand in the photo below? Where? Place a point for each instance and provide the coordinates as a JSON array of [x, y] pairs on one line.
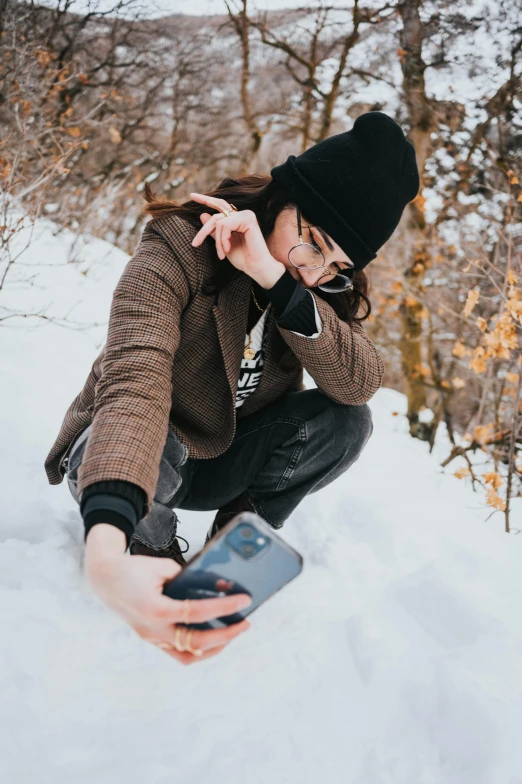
[[132, 587]]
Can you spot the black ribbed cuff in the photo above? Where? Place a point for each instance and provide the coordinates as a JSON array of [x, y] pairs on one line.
[[301, 318], [110, 509], [115, 501], [293, 305], [128, 490]]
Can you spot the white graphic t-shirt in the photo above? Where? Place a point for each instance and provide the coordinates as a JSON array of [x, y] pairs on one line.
[[251, 369]]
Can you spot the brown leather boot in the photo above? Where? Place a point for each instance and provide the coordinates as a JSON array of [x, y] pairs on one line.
[[172, 551], [227, 512]]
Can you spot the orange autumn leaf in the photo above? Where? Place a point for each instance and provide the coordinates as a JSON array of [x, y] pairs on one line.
[[514, 307], [493, 499], [492, 478], [502, 338], [471, 301], [477, 361], [420, 370], [460, 473], [483, 433], [460, 350]]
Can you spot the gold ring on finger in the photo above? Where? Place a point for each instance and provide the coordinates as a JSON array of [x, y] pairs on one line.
[[189, 648], [226, 210], [177, 640]]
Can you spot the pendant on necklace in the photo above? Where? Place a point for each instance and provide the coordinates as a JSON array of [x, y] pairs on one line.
[[249, 353]]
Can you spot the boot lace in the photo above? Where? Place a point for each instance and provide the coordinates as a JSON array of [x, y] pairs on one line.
[[187, 547]]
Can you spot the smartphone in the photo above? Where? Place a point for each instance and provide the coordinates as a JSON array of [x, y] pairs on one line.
[[245, 556]]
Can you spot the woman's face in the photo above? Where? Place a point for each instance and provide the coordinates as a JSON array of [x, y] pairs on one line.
[[285, 235]]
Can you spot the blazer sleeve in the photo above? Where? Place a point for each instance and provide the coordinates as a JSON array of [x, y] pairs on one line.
[[342, 359], [133, 395]]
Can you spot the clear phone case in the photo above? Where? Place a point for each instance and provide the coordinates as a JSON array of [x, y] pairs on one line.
[[245, 556]]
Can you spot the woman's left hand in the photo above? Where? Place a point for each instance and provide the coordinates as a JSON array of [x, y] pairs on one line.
[[240, 239]]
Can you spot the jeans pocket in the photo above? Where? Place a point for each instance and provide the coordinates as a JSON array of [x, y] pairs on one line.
[[296, 437]]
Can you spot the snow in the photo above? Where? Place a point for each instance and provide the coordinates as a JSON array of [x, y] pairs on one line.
[[394, 658]]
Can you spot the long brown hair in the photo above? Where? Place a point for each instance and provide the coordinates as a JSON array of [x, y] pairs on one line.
[[261, 194]]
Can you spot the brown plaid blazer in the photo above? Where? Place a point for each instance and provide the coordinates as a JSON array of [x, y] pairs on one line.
[[173, 356]]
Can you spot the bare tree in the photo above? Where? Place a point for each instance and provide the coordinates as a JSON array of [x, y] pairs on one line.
[[308, 44]]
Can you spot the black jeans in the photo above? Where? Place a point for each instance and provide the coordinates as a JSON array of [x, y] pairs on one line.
[[295, 446]]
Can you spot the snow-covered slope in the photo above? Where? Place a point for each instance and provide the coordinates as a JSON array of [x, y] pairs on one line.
[[395, 658]]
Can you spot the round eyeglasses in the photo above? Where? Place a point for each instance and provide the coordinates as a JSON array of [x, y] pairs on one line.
[[307, 256]]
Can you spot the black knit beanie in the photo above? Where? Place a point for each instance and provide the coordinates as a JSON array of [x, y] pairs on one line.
[[355, 185]]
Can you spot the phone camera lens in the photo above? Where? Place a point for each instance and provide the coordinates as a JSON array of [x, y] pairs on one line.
[[245, 538]]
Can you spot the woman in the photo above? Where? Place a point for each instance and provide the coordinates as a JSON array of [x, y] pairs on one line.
[[197, 399]]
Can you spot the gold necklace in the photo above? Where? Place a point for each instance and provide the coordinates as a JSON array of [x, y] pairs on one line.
[[249, 353], [257, 303]]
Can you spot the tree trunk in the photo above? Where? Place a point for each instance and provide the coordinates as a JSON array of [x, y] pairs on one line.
[[421, 119]]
